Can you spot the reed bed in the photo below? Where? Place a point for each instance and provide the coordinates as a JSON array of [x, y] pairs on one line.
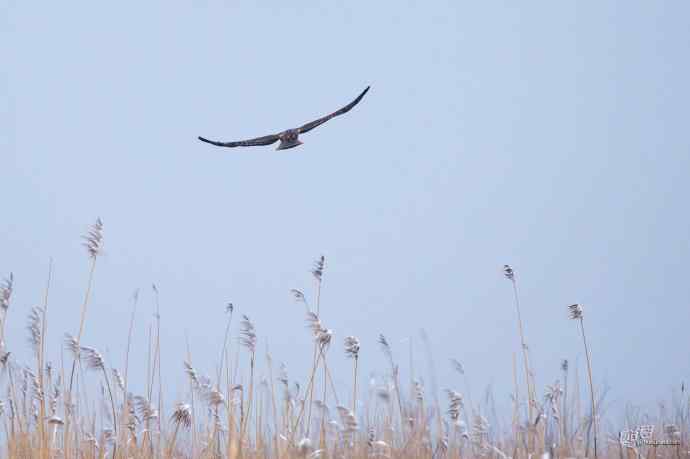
[[50, 413]]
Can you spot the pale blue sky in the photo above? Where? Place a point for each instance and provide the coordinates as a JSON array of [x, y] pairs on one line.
[[546, 135]]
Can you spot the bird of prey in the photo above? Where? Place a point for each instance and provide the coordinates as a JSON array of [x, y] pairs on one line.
[[289, 137]]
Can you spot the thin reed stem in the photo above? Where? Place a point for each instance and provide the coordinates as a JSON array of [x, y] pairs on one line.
[[41, 358], [591, 385], [112, 405], [82, 320], [530, 400], [354, 388]]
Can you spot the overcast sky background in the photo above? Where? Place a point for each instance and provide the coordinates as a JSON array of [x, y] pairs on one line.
[[551, 136]]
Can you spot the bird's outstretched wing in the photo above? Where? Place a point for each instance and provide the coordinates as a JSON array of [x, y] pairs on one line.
[[309, 126], [265, 140]]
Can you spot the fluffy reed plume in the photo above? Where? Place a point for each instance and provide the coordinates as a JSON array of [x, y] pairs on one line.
[[564, 408], [145, 409], [419, 391], [352, 352], [55, 421], [299, 297], [319, 266], [119, 381], [35, 329], [352, 347], [192, 374], [248, 334], [94, 361], [214, 397], [551, 410], [181, 417], [248, 339], [92, 358], [454, 406], [6, 292], [324, 338], [479, 434], [460, 369], [317, 272], [388, 352], [32, 385], [457, 366], [305, 446], [442, 444], [4, 358], [72, 346], [349, 423], [577, 313], [314, 324], [93, 241], [6, 288]]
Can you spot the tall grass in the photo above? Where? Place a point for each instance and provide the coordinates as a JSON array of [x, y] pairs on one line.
[[46, 412]]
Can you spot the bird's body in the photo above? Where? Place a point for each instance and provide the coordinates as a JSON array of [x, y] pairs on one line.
[[290, 137]]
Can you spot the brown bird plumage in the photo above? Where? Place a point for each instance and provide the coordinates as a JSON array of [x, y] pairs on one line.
[[289, 137]]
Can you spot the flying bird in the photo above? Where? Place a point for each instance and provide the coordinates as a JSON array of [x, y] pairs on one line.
[[289, 137]]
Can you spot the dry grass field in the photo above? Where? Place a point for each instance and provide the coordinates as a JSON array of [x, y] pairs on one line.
[[49, 412]]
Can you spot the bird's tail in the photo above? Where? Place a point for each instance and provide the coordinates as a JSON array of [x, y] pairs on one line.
[[286, 144]]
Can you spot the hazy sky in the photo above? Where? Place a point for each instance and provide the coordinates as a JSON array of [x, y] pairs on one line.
[[549, 135]]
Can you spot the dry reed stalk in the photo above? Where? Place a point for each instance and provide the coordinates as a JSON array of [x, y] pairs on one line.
[[93, 242], [192, 377], [90, 437], [248, 339], [432, 372], [229, 309], [324, 338], [157, 362], [510, 275], [460, 369], [269, 363], [322, 430], [564, 409], [352, 351], [388, 352], [232, 427], [149, 384], [41, 360], [309, 385], [94, 361], [224, 362], [126, 407], [577, 402], [94, 245], [576, 313], [516, 409], [317, 272]]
